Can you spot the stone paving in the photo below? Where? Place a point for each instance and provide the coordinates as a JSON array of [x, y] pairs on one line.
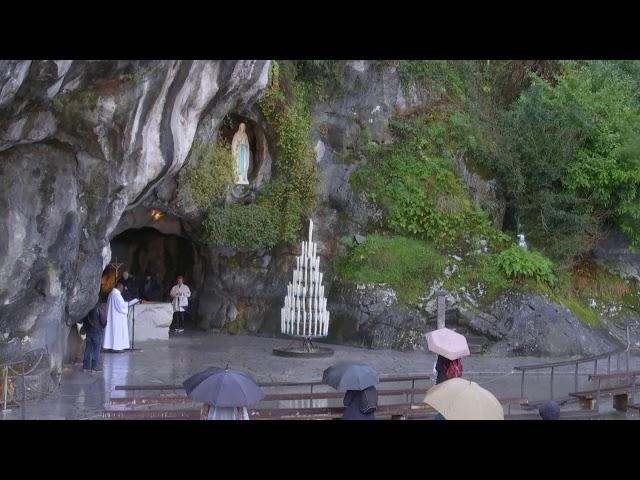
[[83, 395]]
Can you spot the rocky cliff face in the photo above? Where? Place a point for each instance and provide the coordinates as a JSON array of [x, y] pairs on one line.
[[80, 143], [86, 147]]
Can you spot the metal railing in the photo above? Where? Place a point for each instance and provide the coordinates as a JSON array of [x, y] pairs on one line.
[[5, 367], [577, 362]]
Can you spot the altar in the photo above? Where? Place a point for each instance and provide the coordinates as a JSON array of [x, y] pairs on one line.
[[152, 321]]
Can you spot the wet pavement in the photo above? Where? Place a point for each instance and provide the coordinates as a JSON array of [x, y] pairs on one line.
[[83, 395]]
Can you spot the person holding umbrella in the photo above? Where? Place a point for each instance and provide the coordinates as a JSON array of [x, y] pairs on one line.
[[225, 393], [450, 347], [358, 380]]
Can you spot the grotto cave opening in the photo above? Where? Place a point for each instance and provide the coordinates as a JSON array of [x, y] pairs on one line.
[[148, 252]]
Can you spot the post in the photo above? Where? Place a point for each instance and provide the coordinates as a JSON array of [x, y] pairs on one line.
[[598, 397], [575, 379], [133, 327], [413, 387], [442, 305], [522, 386], [6, 388], [595, 367], [24, 394], [628, 347], [608, 364], [551, 383]]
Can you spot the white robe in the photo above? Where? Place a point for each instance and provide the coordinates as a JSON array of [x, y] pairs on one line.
[[116, 334], [227, 413], [180, 295]]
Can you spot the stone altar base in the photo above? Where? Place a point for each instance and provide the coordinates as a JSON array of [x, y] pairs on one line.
[[152, 321]]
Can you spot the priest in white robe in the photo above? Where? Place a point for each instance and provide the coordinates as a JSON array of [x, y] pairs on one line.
[[116, 334]]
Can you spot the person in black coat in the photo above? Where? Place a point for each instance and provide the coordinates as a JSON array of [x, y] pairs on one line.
[[148, 288], [93, 325], [361, 404]]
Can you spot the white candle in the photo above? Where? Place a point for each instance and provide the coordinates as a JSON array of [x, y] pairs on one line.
[[291, 317]]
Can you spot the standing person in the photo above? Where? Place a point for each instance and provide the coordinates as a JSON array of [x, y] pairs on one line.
[[180, 294], [130, 290], [209, 412], [117, 332], [446, 369], [361, 404], [93, 326], [148, 288]]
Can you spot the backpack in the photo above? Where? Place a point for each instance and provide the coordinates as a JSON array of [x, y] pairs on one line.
[[454, 369]]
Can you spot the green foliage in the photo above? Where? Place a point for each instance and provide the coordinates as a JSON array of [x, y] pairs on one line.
[[414, 183], [481, 274], [75, 103], [212, 174], [518, 263], [406, 264], [442, 75], [249, 226], [323, 78], [568, 155], [293, 189]]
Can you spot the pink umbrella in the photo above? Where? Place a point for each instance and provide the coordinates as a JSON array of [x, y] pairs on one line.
[[447, 343]]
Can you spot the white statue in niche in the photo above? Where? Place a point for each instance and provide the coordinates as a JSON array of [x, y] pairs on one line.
[[241, 152]]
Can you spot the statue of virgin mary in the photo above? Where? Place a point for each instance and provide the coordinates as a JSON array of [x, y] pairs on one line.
[[240, 150]]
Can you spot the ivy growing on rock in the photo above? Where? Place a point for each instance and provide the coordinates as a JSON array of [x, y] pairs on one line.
[[211, 175], [241, 226], [292, 192]]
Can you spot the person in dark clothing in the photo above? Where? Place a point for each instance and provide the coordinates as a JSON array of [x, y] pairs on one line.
[[130, 291], [361, 404], [148, 288], [549, 411], [93, 326], [446, 369]]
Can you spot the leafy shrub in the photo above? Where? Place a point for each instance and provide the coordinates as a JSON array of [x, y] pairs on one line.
[[210, 178], [518, 263], [568, 156], [236, 226]]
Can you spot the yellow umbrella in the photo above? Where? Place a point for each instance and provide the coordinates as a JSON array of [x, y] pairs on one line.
[[460, 399]]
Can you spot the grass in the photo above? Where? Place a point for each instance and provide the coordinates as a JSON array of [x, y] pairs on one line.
[[407, 265]]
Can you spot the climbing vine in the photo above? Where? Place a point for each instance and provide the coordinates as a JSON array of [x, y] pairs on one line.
[[292, 192], [210, 177]]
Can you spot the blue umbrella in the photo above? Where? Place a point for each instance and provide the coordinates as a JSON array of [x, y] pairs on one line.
[[224, 388], [350, 376], [195, 380]]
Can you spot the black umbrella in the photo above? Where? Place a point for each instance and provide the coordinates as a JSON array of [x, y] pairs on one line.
[[224, 388], [350, 376], [195, 380]]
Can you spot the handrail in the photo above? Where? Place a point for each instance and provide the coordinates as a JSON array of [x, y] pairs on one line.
[[577, 361], [388, 378], [5, 369]]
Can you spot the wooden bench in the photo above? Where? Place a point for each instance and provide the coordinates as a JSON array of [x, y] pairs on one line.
[[150, 400], [383, 379], [589, 398], [398, 411]]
